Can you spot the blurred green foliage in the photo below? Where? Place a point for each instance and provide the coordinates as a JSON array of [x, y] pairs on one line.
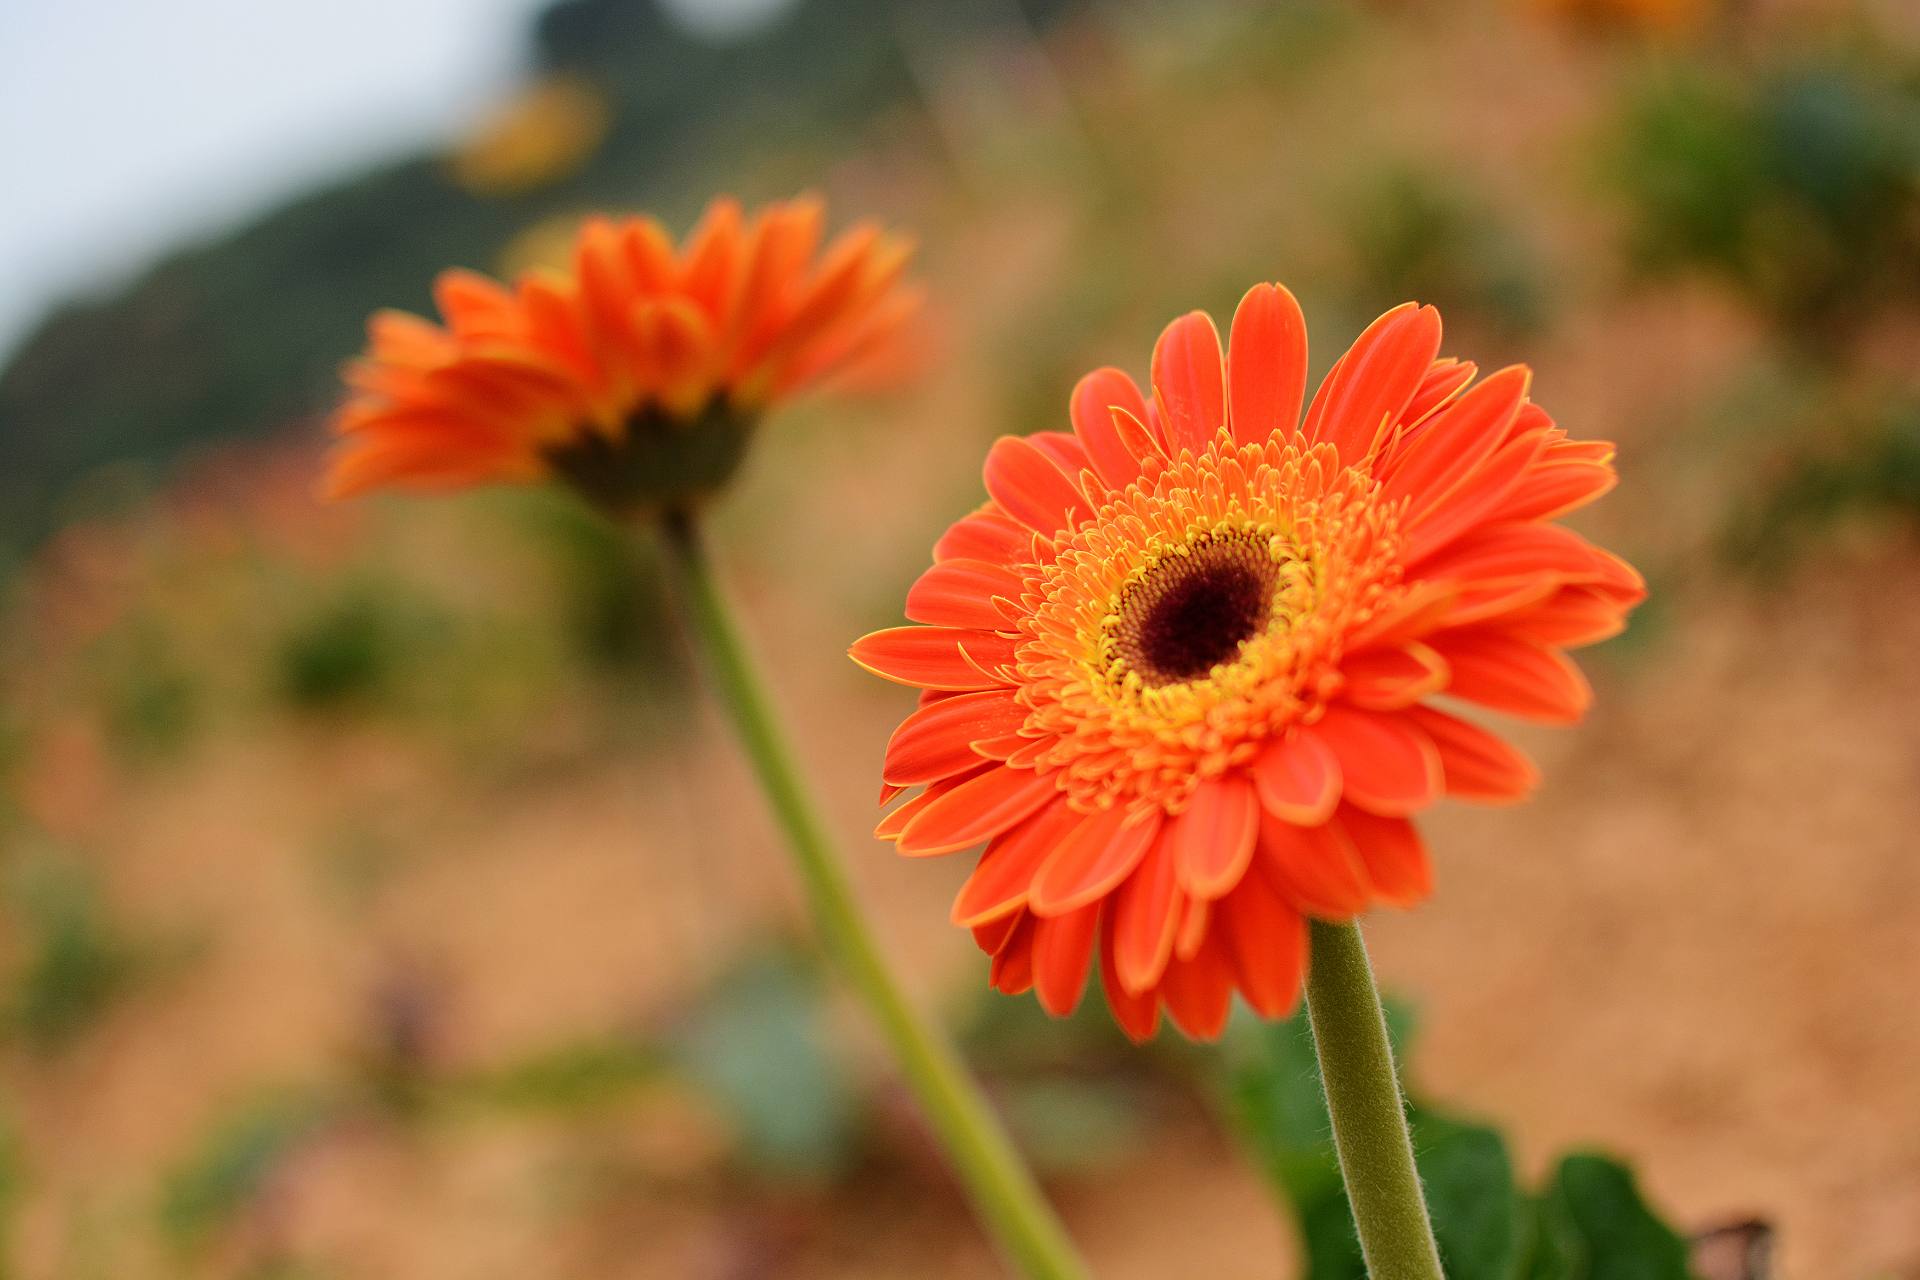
[[1587, 1223], [1421, 233], [346, 649], [150, 698], [75, 962], [757, 1045], [1862, 470], [1797, 185], [754, 1044], [1076, 1094], [573, 1077], [1067, 1125], [13, 1184], [233, 1164]]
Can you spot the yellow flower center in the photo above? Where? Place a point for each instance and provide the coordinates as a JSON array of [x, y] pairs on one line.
[[1199, 612]]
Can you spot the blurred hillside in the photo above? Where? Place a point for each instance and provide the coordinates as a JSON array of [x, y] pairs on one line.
[[242, 335]]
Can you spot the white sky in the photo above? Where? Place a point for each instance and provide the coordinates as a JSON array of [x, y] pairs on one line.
[[128, 126]]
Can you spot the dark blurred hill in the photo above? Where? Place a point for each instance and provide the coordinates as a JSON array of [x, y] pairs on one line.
[[243, 334]]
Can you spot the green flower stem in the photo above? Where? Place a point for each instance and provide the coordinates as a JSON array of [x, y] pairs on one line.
[[1369, 1113], [1003, 1191]]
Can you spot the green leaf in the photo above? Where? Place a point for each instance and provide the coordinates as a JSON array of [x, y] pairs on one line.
[[1589, 1224], [1593, 1225], [1479, 1217], [1478, 1212]]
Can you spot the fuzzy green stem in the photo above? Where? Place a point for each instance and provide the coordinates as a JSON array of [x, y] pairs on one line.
[[1369, 1113], [1002, 1190]]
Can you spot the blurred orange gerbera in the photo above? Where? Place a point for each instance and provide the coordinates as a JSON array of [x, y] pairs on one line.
[[638, 376], [1181, 669]]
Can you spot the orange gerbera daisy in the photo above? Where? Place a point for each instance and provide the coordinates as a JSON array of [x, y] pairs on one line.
[[1180, 670], [639, 376]]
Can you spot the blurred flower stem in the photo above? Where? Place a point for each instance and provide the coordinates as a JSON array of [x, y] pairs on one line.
[[1369, 1112], [1001, 1187]]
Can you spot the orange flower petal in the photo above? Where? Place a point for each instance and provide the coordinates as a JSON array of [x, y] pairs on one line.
[[1522, 552], [992, 936], [1095, 398], [1387, 765], [1189, 379], [934, 657], [1031, 488], [1374, 382], [976, 810], [1066, 452], [1137, 1012], [1444, 380], [960, 593], [1011, 972], [1316, 869], [1476, 764], [1476, 498], [1394, 854], [1569, 618], [890, 827], [1213, 840], [1198, 993], [714, 256], [1424, 608], [1388, 679], [1004, 874], [1515, 676], [1298, 779], [1092, 861], [1455, 443], [937, 741], [986, 535], [474, 305], [1062, 955], [1266, 364], [1137, 436], [1555, 488], [1144, 917], [1191, 934], [1266, 941]]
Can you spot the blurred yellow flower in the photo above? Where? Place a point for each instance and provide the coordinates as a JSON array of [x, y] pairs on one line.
[[544, 245], [540, 137]]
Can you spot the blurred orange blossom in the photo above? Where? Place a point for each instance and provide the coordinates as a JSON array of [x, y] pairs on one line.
[[639, 375]]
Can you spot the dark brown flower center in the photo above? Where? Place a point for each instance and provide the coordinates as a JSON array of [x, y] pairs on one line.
[[1196, 607]]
